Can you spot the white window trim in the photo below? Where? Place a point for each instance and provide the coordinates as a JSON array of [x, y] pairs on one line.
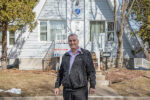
[[48, 28], [8, 42], [39, 32], [98, 21], [110, 31]]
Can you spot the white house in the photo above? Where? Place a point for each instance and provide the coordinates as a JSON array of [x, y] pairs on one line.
[[91, 20]]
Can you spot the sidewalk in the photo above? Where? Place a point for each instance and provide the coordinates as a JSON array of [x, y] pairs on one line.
[[105, 91], [90, 98]]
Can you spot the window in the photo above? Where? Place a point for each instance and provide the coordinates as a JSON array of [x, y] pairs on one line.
[[53, 30], [57, 30], [110, 35], [11, 38], [43, 31], [96, 27]]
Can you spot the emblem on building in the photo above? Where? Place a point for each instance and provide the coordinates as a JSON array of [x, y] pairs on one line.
[[76, 8], [77, 12]]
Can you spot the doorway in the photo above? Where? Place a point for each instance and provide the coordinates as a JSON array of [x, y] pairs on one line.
[[97, 34]]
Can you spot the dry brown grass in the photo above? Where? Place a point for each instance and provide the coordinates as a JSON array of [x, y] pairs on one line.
[[31, 83], [130, 82], [38, 83]]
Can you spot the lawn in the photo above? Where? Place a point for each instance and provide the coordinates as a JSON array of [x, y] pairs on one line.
[[31, 83], [39, 83], [129, 82]]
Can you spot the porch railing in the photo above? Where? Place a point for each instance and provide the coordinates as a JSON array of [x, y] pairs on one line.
[[141, 63], [49, 54]]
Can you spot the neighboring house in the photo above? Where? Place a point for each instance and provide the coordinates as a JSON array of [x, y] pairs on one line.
[[91, 20]]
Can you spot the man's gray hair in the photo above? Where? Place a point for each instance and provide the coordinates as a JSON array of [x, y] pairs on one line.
[[73, 35]]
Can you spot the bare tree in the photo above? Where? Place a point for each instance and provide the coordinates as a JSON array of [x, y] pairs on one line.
[[115, 16], [124, 14]]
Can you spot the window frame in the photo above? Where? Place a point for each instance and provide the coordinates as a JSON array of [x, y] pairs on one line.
[[113, 31], [40, 30], [8, 39], [48, 30], [90, 36]]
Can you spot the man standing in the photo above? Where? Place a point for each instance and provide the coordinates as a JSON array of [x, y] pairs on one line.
[[75, 71]]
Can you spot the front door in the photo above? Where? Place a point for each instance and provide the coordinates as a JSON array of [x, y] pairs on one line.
[[97, 34], [101, 40]]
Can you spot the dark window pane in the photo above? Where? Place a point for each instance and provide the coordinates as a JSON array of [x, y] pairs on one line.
[[11, 38], [43, 37], [110, 26], [110, 36], [11, 41]]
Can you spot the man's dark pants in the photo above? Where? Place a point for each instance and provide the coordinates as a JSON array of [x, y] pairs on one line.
[[75, 94]]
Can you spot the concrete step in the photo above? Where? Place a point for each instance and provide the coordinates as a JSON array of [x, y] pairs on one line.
[[95, 61], [100, 77], [98, 73], [102, 82]]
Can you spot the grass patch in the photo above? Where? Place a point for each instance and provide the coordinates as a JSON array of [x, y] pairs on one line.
[[130, 82], [31, 83]]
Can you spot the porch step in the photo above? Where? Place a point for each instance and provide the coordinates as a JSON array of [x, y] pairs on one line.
[[102, 82], [100, 79], [98, 73]]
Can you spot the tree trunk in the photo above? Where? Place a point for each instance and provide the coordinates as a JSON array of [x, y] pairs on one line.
[[119, 62], [115, 23], [4, 45], [115, 17]]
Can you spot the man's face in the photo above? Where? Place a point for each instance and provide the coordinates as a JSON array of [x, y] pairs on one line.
[[73, 42]]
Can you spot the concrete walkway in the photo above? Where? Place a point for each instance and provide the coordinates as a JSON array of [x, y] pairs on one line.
[[102, 86], [105, 91], [90, 98]]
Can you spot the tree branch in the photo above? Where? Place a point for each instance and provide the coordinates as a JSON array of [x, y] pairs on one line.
[[130, 8]]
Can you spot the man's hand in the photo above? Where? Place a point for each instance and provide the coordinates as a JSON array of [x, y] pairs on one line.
[[92, 91], [56, 91]]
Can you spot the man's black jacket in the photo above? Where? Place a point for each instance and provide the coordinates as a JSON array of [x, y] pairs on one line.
[[82, 70]]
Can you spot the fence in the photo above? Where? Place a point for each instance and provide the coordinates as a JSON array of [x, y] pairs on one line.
[[141, 63]]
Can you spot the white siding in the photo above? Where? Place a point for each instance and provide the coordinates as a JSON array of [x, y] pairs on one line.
[[29, 45]]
